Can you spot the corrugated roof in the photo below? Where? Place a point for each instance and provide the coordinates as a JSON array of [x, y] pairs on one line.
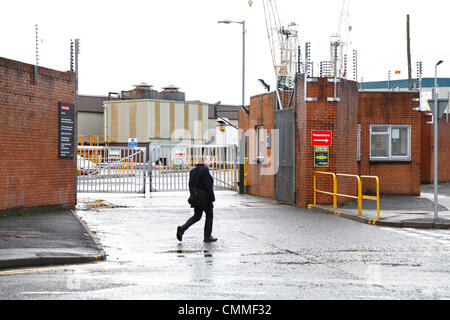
[[426, 83], [91, 103]]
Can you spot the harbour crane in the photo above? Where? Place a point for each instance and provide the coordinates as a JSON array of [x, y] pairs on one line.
[[340, 41], [283, 42]]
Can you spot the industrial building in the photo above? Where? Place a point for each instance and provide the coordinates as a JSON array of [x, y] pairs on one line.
[[156, 117], [153, 118], [90, 115]]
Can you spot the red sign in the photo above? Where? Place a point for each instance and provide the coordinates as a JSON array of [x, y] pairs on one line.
[[321, 138]]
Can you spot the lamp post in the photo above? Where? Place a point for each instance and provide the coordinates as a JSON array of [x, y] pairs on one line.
[[242, 144], [436, 141], [243, 59]]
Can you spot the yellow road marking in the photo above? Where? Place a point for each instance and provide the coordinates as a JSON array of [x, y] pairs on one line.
[[31, 270]]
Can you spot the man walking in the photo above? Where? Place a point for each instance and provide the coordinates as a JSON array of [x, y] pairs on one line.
[[200, 181]]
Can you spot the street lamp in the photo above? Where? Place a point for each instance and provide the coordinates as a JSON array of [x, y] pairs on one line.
[[242, 143], [243, 59], [436, 141]]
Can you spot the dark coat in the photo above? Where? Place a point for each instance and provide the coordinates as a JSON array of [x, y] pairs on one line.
[[205, 182]]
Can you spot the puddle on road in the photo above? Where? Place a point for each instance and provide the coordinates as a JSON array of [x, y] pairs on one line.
[[88, 204], [277, 253], [182, 252], [18, 234]]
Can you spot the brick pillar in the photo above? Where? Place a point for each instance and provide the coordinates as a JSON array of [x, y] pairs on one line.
[[339, 117]]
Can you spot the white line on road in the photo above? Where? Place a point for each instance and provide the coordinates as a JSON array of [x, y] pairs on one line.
[[425, 235]]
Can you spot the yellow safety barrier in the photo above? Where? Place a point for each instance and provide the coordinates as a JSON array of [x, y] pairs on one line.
[[93, 140], [326, 192], [377, 197], [359, 197], [246, 172]]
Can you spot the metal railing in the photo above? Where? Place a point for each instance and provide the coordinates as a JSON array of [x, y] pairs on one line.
[[360, 197], [171, 165], [111, 169], [375, 198], [326, 192]]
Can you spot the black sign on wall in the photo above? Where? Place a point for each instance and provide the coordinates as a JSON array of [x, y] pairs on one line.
[[66, 141]]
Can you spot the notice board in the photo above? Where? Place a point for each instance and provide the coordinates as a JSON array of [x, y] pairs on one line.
[[321, 157], [66, 130]]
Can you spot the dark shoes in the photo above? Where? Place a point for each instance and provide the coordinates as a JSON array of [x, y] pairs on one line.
[[180, 232]]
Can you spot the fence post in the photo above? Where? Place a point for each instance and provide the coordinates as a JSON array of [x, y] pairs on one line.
[[334, 192], [359, 196], [315, 188]]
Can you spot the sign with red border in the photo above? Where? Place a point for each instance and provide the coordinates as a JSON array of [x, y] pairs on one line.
[[321, 138]]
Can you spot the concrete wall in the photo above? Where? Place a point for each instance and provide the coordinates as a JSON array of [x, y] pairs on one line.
[[31, 174]]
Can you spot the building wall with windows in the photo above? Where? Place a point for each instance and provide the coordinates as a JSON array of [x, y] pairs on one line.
[[256, 125], [390, 141]]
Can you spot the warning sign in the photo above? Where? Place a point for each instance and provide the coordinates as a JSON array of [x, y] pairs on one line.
[[321, 157]]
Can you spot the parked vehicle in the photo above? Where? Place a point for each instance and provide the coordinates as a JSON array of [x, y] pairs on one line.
[[86, 167]]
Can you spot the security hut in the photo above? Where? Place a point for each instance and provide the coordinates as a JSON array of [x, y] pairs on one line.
[[363, 133]]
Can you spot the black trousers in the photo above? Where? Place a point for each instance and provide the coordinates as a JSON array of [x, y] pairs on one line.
[[197, 217]]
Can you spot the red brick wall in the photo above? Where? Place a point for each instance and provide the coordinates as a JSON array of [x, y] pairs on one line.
[[261, 113], [341, 119], [364, 108], [396, 177], [427, 159], [31, 174]]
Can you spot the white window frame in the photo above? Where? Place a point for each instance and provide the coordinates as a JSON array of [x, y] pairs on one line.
[[390, 157]]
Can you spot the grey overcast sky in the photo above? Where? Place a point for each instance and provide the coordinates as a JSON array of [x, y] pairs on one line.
[[179, 42]]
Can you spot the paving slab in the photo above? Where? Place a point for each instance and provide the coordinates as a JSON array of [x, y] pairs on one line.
[[41, 239]]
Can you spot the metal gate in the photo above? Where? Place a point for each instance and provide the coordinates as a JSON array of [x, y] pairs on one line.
[[111, 169], [285, 179], [171, 165]]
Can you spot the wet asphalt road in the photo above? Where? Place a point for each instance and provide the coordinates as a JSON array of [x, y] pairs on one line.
[[265, 251]]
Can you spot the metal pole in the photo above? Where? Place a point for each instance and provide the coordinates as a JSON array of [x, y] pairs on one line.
[[307, 48], [243, 65], [242, 150], [408, 40], [436, 140], [76, 115], [336, 44], [36, 70]]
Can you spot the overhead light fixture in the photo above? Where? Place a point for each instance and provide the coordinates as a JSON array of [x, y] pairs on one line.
[[264, 84]]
